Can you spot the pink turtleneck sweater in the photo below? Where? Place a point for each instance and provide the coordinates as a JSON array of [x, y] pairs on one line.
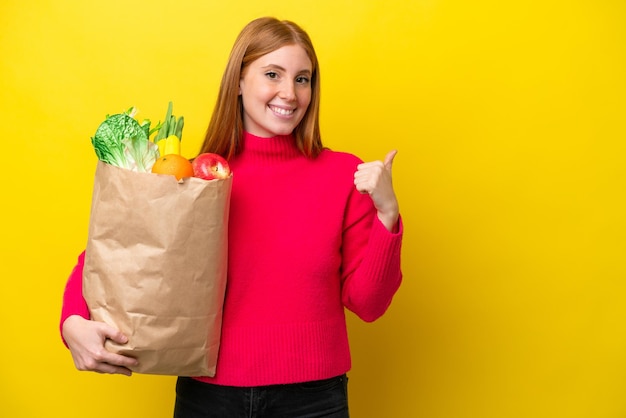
[[303, 244]]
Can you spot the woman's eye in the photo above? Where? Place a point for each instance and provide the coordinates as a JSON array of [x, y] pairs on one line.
[[302, 80], [271, 74]]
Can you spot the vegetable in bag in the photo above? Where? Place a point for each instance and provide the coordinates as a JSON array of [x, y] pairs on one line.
[[123, 142]]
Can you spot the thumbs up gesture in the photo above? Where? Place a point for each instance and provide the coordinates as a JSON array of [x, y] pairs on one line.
[[374, 178]]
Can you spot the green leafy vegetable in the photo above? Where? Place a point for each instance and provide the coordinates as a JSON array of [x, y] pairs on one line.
[[121, 141], [140, 154]]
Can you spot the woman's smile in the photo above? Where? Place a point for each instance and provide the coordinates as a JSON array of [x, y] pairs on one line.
[[280, 111]]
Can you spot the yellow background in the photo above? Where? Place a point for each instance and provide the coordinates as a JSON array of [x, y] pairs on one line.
[[509, 117]]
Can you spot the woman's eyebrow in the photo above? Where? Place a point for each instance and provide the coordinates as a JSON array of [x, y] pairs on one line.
[[278, 67]]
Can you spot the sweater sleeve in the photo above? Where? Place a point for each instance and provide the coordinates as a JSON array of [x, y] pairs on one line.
[[370, 260], [73, 300]]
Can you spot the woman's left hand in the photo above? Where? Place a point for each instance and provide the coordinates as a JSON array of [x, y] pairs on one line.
[[374, 178]]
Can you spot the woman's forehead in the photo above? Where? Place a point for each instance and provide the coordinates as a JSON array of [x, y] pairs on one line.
[[287, 57]]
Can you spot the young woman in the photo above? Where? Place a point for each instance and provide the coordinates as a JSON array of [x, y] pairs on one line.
[[311, 232]]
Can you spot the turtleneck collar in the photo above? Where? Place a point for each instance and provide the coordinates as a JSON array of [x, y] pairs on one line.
[[276, 148]]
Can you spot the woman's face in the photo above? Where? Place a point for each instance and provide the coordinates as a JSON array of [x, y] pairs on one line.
[[276, 91]]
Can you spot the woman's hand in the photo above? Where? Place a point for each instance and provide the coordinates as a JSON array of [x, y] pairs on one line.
[[86, 338], [375, 178]]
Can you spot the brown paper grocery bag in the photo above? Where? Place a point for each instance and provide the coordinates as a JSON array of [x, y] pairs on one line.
[[155, 267]]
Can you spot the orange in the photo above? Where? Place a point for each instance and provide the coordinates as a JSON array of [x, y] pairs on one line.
[[173, 164]]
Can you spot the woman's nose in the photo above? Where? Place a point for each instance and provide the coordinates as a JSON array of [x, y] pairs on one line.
[[288, 91]]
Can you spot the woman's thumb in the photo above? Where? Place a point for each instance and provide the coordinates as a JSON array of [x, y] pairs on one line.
[[389, 158], [115, 335]]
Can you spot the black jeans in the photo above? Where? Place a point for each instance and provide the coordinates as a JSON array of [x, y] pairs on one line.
[[322, 398]]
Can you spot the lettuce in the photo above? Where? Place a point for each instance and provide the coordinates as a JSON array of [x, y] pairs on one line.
[[121, 141], [140, 154]]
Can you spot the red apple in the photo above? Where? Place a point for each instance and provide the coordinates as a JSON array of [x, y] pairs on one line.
[[209, 166]]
